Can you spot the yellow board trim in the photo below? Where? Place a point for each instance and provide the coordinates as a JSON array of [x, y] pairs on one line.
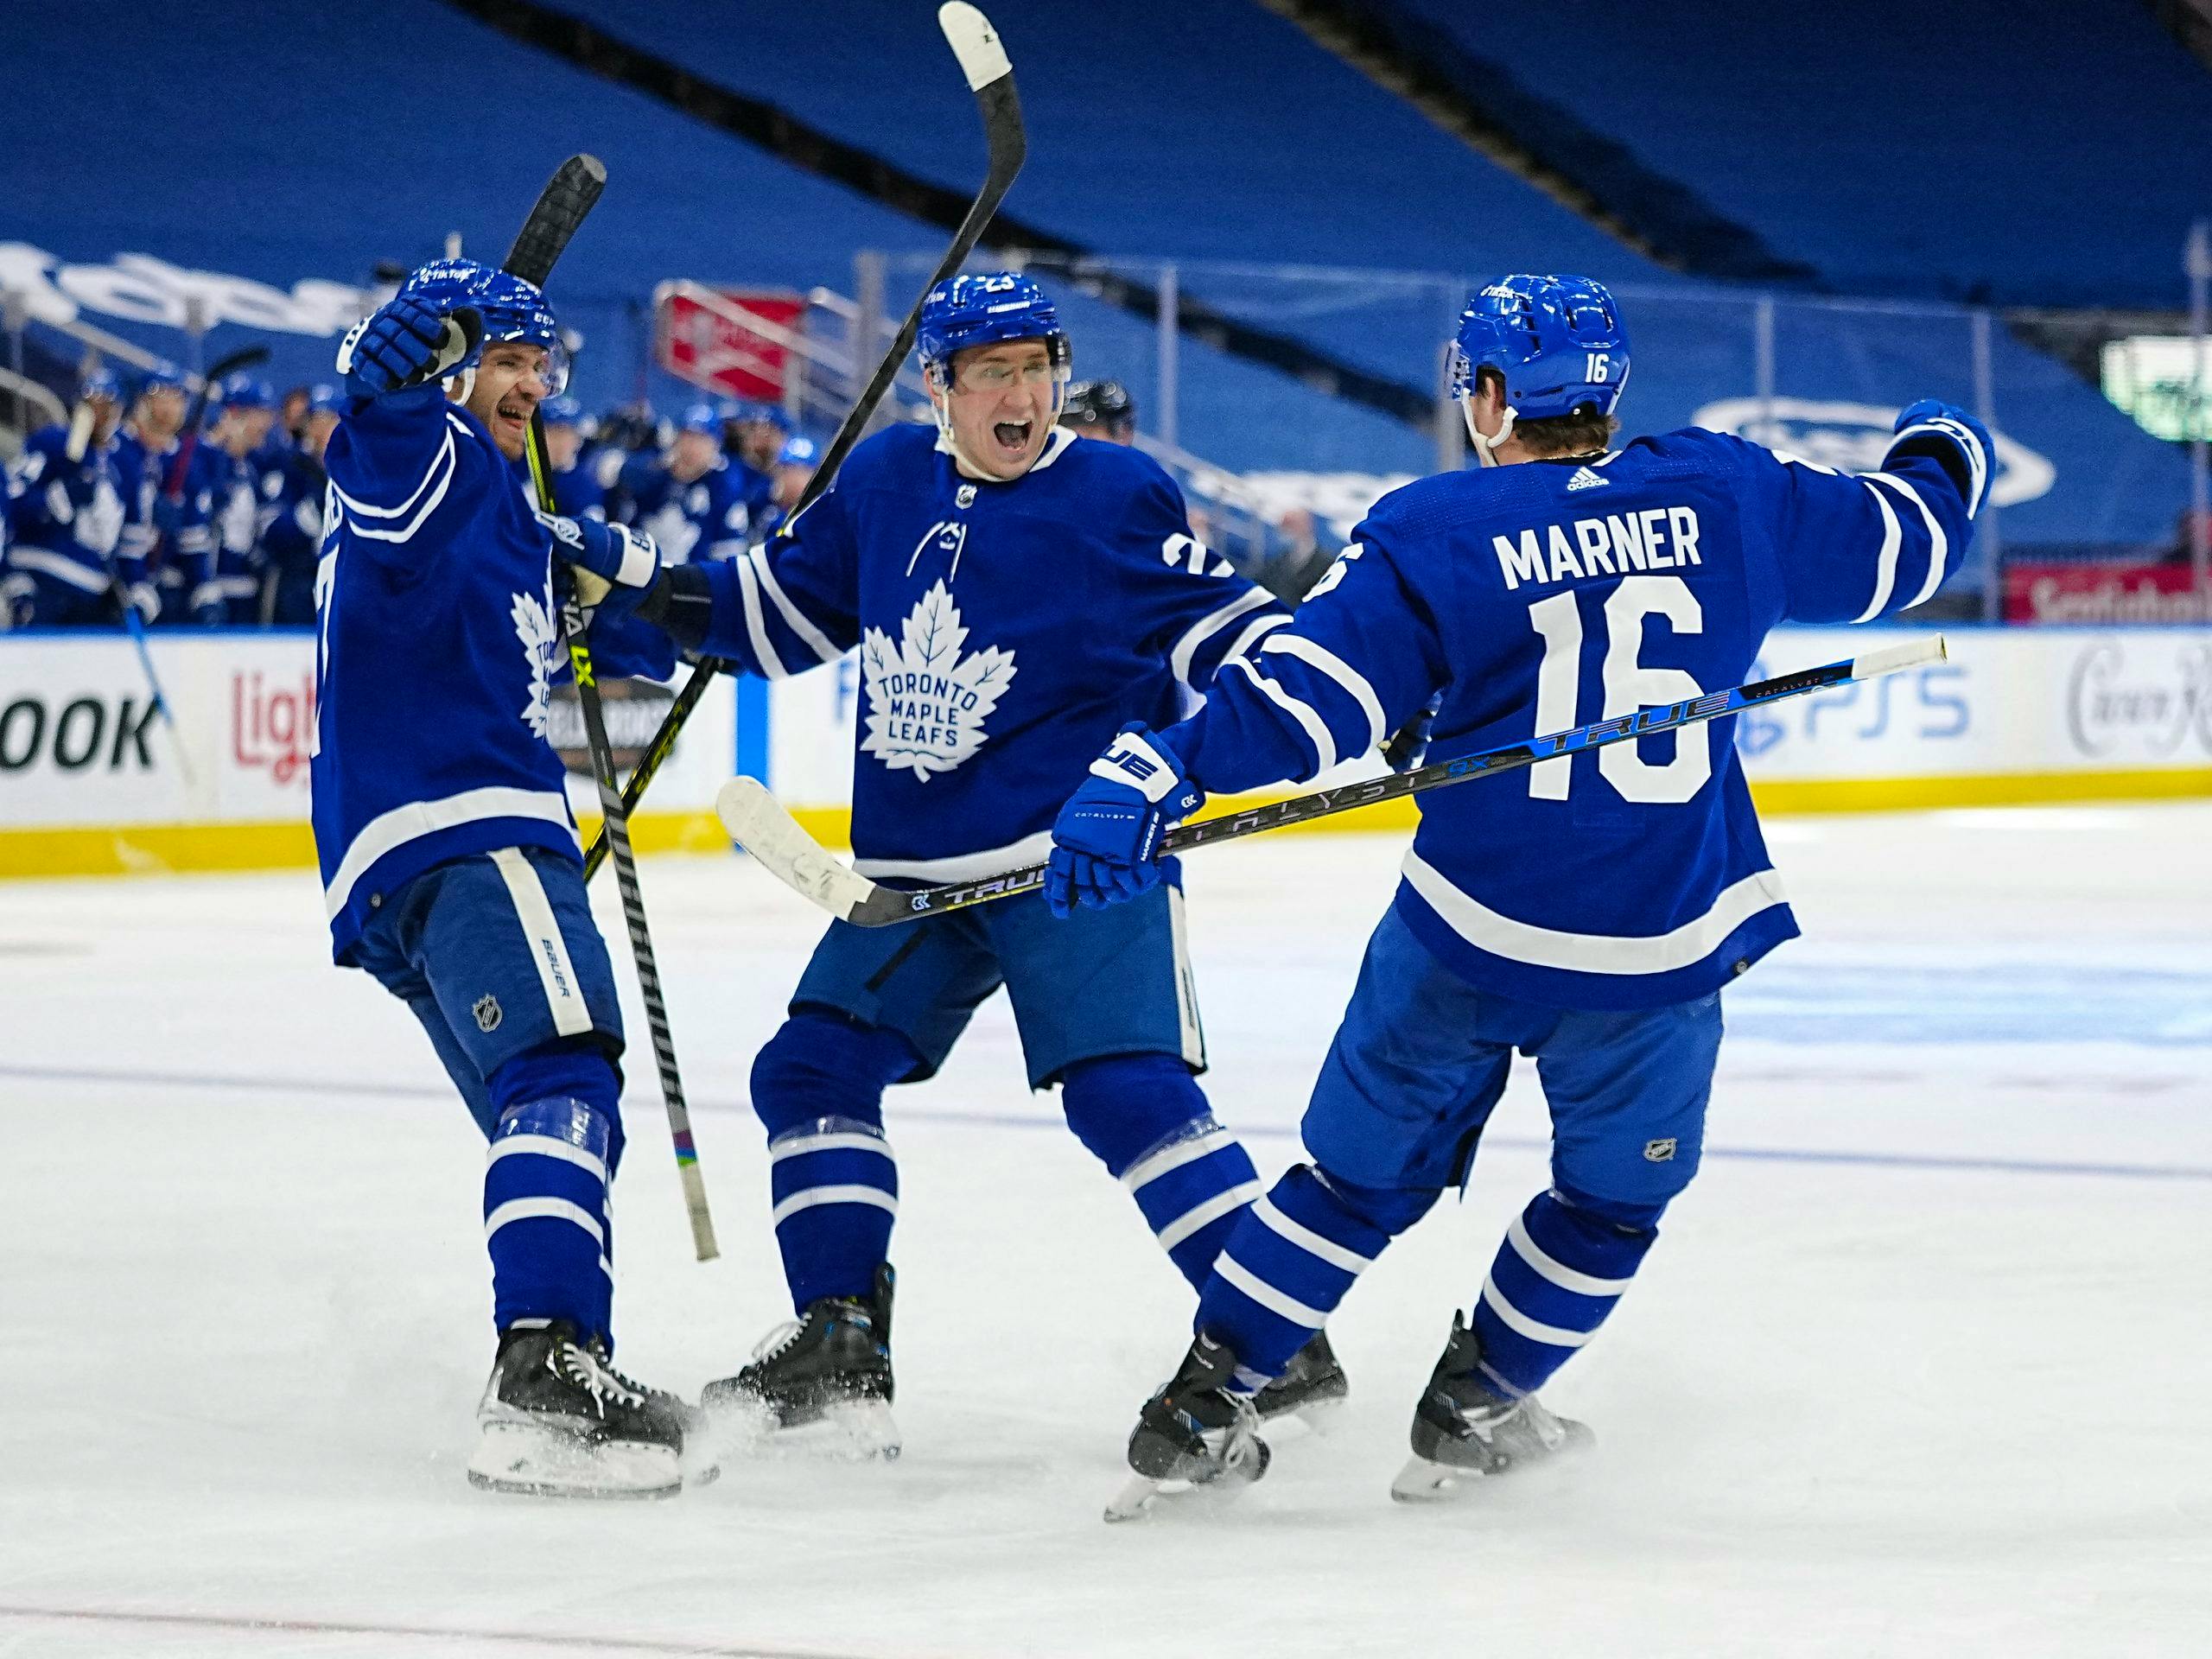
[[168, 848]]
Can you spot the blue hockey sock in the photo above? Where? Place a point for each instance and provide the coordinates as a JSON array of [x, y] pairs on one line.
[[1145, 1117], [818, 1088], [546, 1217], [1292, 1258], [1565, 1261]]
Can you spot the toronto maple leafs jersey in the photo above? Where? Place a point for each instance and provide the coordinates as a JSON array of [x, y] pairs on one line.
[[1544, 596], [231, 487], [1006, 632], [707, 518], [437, 645], [180, 542], [63, 517], [577, 491]]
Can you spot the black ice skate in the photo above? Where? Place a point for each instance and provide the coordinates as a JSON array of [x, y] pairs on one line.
[[1312, 1388], [832, 1366], [1464, 1428], [558, 1421], [1193, 1434]]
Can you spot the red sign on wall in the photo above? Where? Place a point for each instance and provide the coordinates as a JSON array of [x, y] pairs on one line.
[[704, 337], [2103, 595]]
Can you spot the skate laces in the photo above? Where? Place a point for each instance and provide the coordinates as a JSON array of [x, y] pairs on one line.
[[778, 1339], [592, 1372]]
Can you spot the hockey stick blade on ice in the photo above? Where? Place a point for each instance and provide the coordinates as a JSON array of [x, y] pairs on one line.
[[990, 77], [571, 194], [761, 824]]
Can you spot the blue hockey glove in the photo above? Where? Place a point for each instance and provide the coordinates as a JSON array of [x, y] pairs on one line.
[[1955, 440], [208, 609], [612, 564], [1106, 841], [145, 598], [402, 344]]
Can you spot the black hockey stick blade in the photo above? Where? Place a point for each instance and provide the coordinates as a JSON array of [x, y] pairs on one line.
[[761, 824], [211, 381], [569, 194], [990, 76]]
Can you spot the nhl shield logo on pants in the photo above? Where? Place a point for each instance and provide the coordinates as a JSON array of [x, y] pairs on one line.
[[486, 1010]]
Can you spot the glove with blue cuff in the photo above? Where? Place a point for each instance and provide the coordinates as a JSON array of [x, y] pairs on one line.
[[611, 564], [1955, 440], [1106, 841], [403, 343]]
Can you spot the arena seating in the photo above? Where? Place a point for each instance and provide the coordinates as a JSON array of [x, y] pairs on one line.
[[1254, 144], [2051, 153]]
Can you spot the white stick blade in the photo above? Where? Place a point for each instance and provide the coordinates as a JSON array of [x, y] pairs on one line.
[[1917, 653], [975, 42], [758, 822]]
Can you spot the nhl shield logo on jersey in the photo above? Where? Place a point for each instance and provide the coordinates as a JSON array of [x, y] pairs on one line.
[[927, 703], [537, 627]]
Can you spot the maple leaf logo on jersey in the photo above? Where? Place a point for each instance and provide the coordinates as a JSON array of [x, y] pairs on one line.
[[536, 627], [926, 703]]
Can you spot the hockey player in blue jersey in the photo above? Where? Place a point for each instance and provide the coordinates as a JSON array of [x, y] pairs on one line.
[[450, 863], [1016, 596], [577, 491], [165, 555], [292, 506], [228, 467], [691, 499], [65, 518], [1587, 911]]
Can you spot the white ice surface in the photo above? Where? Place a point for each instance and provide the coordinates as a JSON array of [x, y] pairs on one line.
[[1921, 1366]]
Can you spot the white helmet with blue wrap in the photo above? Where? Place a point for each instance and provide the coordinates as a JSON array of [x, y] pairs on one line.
[[1557, 342], [967, 311]]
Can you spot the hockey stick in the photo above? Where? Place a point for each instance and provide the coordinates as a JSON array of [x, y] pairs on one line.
[[221, 369], [570, 195], [760, 823], [990, 77], [136, 627]]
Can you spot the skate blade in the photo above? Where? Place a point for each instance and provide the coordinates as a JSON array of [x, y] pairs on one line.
[[1142, 1493], [535, 1462], [1423, 1482]]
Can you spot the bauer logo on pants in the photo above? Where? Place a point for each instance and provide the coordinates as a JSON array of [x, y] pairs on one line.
[[1659, 1152]]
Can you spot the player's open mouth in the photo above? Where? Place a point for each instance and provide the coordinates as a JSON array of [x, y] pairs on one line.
[[1013, 435], [513, 412]]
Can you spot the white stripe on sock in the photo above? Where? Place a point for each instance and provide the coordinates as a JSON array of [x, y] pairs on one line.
[[1550, 1266], [545, 1208], [1146, 1169], [545, 1146], [1325, 1249], [1212, 1209], [1231, 1271], [1535, 1329], [820, 1195]]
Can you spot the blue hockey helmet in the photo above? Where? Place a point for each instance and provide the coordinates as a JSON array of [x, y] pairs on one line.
[[700, 417], [242, 391], [512, 309], [564, 410], [969, 311], [161, 377], [101, 384], [1557, 342], [325, 400], [798, 451]]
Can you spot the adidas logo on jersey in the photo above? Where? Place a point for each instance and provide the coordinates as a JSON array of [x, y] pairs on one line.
[[1584, 478]]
